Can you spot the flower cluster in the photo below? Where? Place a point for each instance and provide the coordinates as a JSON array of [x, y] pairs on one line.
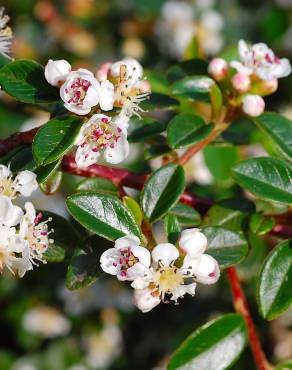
[[116, 85], [5, 35], [181, 22], [167, 272], [253, 76], [24, 236]]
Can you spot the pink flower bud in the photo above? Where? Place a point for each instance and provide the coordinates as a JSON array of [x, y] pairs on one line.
[[218, 68], [56, 71], [241, 82], [269, 87], [253, 105]]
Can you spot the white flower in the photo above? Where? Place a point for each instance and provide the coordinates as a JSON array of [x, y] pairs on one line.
[[35, 232], [5, 35], [260, 60], [24, 183], [164, 279], [10, 215], [127, 260], [14, 254], [253, 105], [46, 322], [56, 71], [193, 242], [81, 91], [101, 135]]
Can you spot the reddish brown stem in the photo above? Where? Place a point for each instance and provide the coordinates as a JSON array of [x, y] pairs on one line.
[[241, 306]]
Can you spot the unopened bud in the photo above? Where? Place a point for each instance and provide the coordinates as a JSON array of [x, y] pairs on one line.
[[218, 68], [266, 87], [241, 82], [253, 105], [103, 71], [56, 71]]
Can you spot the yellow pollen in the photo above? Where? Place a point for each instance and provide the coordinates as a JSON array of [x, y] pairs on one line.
[[169, 279]]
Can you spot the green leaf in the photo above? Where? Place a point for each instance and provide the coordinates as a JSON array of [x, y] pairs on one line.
[[161, 191], [226, 246], [52, 184], [172, 228], [23, 160], [65, 237], [134, 208], [286, 365], [84, 268], [103, 214], [146, 131], [44, 173], [194, 88], [275, 282], [279, 129], [186, 129], [266, 177], [186, 215], [25, 81], [260, 224], [55, 138], [98, 184], [214, 346]]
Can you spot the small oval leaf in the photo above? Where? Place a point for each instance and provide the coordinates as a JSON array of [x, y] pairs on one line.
[[103, 214], [161, 191], [275, 282], [214, 346]]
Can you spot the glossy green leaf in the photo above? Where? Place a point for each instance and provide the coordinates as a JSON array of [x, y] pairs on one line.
[[172, 228], [65, 238], [275, 282], [186, 129], [134, 208], [226, 246], [286, 365], [214, 346], [186, 215], [146, 131], [55, 138], [45, 172], [98, 184], [279, 129], [260, 224], [25, 81], [102, 214], [84, 268], [159, 101], [266, 177], [23, 160], [194, 88], [161, 191], [187, 67]]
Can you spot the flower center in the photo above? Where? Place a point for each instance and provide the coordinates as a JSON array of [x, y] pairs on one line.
[[76, 91], [102, 135], [166, 281], [6, 187], [125, 261]]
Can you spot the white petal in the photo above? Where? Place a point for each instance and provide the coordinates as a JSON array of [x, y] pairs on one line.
[[56, 71], [25, 183], [240, 67], [127, 241], [76, 109], [144, 300], [4, 172], [136, 271], [107, 261], [208, 270], [92, 97], [165, 253], [119, 152], [142, 282], [10, 215], [85, 156], [193, 242], [243, 49], [106, 95], [142, 254], [23, 264]]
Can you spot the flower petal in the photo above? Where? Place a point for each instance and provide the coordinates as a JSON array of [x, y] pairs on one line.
[[207, 271], [193, 242], [25, 183], [106, 95], [142, 254], [108, 261], [165, 253], [4, 172], [144, 300], [127, 241], [85, 156], [119, 152]]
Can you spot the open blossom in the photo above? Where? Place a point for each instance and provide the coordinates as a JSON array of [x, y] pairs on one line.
[[34, 230], [5, 35], [260, 60], [14, 253], [101, 135], [127, 260]]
